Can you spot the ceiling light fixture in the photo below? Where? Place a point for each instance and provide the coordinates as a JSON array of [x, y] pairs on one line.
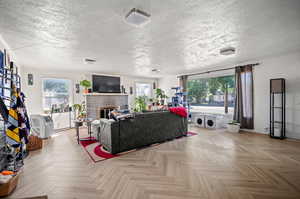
[[137, 17], [227, 51], [89, 61], [155, 70]]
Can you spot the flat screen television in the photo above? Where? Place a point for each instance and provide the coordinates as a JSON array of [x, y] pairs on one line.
[[106, 84]]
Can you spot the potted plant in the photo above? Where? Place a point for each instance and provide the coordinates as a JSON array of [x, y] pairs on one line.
[[86, 84], [79, 111], [233, 127], [161, 96], [140, 104]]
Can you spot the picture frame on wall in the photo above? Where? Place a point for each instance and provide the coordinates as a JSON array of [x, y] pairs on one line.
[[30, 79], [6, 58], [131, 90], [77, 88], [1, 59]]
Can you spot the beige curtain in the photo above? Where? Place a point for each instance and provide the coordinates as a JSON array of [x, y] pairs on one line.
[[243, 112]]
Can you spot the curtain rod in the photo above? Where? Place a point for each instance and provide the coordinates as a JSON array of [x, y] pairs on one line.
[[217, 70]]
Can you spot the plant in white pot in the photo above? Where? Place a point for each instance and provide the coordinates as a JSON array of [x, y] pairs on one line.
[[233, 127]]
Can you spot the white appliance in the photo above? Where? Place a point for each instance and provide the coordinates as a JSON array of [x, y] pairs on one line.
[[211, 121], [42, 125], [198, 119], [216, 121]]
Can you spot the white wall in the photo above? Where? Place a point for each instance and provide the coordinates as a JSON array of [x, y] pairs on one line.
[[4, 45], [285, 66], [34, 93], [128, 81], [166, 83]]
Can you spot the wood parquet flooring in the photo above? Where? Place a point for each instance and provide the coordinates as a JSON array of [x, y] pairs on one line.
[[210, 165]]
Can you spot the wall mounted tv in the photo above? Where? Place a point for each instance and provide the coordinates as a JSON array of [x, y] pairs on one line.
[[106, 84]]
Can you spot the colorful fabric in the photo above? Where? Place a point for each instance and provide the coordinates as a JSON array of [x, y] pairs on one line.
[[12, 130], [181, 111], [3, 110]]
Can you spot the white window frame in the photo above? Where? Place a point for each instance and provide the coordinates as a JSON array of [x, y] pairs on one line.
[[140, 82], [70, 89]]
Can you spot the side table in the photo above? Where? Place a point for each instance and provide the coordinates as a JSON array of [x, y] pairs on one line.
[[79, 123]]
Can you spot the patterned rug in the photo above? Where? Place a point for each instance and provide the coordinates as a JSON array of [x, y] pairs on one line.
[[97, 153]]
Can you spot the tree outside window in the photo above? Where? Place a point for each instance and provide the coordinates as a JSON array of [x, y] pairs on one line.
[[212, 92]]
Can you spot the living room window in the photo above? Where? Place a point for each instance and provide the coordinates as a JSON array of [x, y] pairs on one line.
[[56, 94], [212, 94], [143, 89]]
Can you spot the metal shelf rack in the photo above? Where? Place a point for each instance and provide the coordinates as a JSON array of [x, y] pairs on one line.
[[277, 108]]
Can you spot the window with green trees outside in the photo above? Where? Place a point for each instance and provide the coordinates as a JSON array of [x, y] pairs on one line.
[[216, 94]]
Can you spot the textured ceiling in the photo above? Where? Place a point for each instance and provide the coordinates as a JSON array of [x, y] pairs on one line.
[[183, 35]]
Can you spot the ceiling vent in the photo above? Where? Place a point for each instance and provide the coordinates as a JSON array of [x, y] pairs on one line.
[[137, 17], [227, 51], [155, 70], [89, 61]]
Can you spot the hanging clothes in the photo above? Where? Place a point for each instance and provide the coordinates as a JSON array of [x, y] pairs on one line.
[[23, 120], [12, 130], [22, 96], [3, 110]]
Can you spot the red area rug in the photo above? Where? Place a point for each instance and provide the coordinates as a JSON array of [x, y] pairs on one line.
[[97, 153]]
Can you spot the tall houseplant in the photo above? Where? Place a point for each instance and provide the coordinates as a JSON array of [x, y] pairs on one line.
[[140, 104], [79, 110], [86, 84], [161, 96]]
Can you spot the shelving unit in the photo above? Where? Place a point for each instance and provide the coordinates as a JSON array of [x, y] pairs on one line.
[[277, 108], [9, 78]]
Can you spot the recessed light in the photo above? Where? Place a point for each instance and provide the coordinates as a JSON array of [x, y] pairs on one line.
[[227, 51], [137, 17]]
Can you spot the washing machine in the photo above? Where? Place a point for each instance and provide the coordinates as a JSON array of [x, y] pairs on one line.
[[198, 119], [215, 121], [211, 121]]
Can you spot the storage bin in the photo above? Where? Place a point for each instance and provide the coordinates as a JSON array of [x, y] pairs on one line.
[[34, 143], [7, 188]]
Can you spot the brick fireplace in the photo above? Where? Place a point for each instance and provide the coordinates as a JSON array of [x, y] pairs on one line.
[[98, 102]]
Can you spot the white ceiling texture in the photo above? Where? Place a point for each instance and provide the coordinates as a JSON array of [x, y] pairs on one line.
[[183, 36]]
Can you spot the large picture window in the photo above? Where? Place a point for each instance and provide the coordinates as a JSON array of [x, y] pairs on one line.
[[143, 89], [56, 93], [213, 95]]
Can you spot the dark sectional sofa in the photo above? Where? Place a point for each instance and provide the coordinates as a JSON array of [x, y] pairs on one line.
[[142, 130]]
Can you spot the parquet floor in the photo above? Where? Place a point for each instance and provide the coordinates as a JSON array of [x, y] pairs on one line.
[[213, 164]]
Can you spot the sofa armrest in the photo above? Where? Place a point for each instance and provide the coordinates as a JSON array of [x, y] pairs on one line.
[[109, 135]]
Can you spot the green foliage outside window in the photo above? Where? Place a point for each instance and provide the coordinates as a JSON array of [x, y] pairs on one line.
[[204, 91]]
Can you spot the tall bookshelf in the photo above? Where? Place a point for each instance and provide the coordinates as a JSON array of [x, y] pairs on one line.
[[277, 108]]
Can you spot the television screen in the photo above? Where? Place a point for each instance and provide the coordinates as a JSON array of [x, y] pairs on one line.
[[106, 84]]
